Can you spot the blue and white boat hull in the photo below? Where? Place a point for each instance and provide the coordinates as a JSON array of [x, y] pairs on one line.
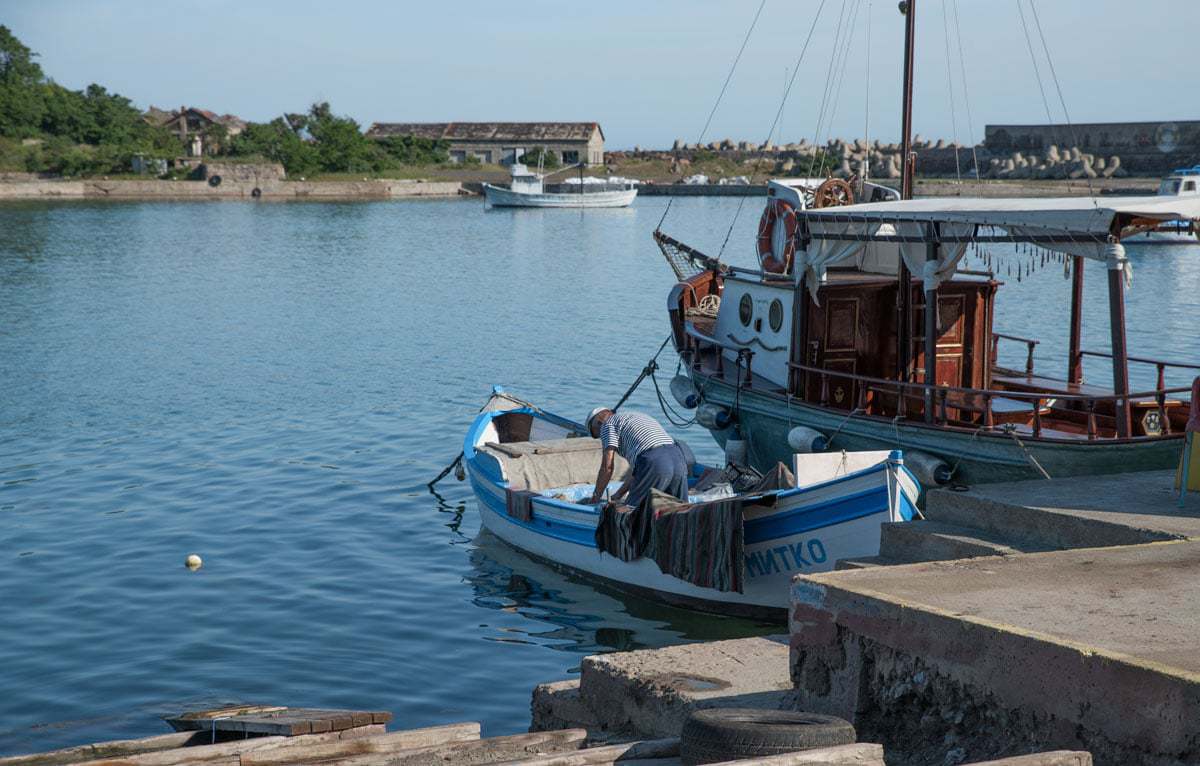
[[807, 530]]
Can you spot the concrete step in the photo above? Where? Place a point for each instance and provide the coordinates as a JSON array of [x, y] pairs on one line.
[[914, 541], [647, 694], [867, 562], [1044, 525]]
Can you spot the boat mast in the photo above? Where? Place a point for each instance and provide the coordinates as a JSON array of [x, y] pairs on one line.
[[904, 294]]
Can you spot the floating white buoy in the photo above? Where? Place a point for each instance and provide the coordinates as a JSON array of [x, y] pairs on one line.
[[193, 562]]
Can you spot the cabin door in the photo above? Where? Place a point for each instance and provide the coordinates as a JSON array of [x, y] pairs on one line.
[[834, 344], [951, 340]]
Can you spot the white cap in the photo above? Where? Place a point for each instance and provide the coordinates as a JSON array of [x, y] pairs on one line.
[[588, 423]]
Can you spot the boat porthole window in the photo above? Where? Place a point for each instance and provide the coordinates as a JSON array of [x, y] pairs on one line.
[[776, 315], [746, 309]]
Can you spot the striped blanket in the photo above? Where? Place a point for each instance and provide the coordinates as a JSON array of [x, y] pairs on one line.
[[702, 544]]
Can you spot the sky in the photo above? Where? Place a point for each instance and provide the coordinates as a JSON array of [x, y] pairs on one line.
[[649, 71]]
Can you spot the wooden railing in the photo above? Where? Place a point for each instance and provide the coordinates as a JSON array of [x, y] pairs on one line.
[[978, 400], [1030, 345], [1159, 364]]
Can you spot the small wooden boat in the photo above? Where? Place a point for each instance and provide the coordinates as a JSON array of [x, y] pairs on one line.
[[834, 514], [528, 189]]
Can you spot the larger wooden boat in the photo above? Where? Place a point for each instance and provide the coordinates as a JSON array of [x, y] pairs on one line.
[[832, 333]]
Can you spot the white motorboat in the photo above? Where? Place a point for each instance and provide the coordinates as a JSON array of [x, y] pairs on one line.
[[1181, 183], [529, 189]]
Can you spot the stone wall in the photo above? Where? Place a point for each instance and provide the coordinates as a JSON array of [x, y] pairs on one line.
[[1153, 148], [156, 189]]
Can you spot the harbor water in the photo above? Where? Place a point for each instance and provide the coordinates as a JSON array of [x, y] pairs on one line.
[[270, 386]]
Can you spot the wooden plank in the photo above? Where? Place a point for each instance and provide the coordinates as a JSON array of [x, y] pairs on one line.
[[652, 749], [862, 754], [293, 749], [289, 751], [484, 751], [111, 749], [202, 719]]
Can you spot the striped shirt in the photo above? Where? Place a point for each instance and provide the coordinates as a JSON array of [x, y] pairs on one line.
[[632, 433]]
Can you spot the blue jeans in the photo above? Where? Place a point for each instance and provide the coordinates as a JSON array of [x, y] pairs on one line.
[[662, 468]]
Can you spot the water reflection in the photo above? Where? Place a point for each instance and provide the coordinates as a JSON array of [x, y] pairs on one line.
[[586, 617]]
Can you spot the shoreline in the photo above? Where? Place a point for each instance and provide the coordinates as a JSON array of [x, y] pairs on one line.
[[380, 189]]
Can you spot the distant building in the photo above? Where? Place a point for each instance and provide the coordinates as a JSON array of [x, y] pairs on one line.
[[506, 142], [192, 126], [1152, 147]]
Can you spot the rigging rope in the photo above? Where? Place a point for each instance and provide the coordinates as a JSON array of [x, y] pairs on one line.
[[840, 77], [721, 95], [774, 124], [827, 90], [962, 65], [867, 102], [1058, 87], [950, 87]]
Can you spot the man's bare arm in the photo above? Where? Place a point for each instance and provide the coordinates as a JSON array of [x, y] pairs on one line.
[[604, 476]]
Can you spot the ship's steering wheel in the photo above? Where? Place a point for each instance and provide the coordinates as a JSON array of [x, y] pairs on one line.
[[833, 192]]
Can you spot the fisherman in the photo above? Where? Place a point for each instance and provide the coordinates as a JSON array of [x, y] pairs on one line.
[[657, 461]]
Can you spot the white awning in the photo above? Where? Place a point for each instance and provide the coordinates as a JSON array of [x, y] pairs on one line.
[[872, 233]]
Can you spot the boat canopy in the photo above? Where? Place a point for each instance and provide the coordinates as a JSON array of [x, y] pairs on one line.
[[873, 236]]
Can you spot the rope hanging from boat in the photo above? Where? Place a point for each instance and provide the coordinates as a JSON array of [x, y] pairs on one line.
[[721, 95], [647, 371]]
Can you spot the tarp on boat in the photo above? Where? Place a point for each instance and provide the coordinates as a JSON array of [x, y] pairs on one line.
[[1072, 225]]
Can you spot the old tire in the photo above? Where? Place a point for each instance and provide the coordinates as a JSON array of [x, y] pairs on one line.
[[730, 734], [214, 181], [256, 192]]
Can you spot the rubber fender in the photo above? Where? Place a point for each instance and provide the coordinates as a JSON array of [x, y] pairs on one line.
[[714, 417], [684, 392], [931, 471], [214, 181], [805, 440]]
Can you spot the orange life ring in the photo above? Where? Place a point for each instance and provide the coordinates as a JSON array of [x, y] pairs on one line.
[[777, 263]]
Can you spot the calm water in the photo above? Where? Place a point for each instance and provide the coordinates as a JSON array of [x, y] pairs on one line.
[[271, 385]]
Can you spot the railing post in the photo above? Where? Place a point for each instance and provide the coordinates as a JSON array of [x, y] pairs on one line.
[[1037, 418], [942, 414], [988, 419], [749, 373], [1091, 419], [901, 401], [1029, 344], [1116, 317], [995, 350], [824, 389]]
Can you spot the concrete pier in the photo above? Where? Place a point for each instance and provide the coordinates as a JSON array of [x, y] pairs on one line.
[[1088, 649]]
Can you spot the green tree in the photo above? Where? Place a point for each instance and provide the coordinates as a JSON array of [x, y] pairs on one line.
[[21, 104], [341, 146], [549, 159], [280, 142]]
